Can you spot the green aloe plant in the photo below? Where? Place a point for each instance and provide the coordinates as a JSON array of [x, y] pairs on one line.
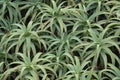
[[30, 68], [29, 10], [84, 20], [54, 17], [9, 7], [76, 70], [66, 40], [25, 36], [101, 47], [8, 17], [59, 60]]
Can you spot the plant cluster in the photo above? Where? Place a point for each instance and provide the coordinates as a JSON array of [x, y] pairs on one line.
[[59, 40]]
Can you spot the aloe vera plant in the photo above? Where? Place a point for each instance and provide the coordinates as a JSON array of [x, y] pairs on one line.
[[30, 68]]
